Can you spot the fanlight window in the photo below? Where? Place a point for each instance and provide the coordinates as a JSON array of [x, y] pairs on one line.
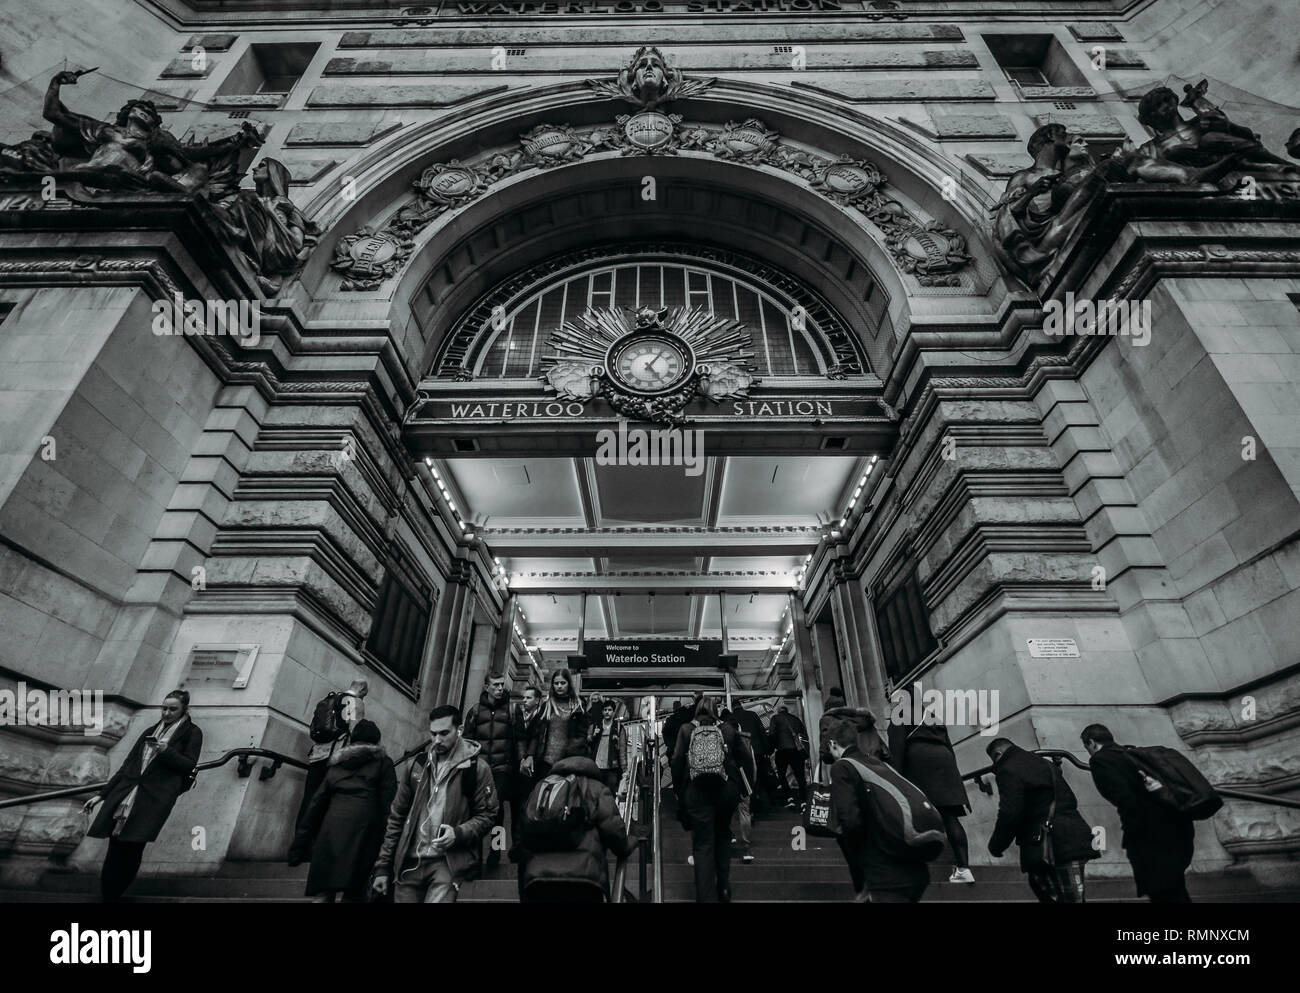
[[780, 347]]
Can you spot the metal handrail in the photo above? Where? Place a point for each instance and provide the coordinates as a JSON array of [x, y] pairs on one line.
[[620, 869], [652, 746], [1058, 755], [245, 769]]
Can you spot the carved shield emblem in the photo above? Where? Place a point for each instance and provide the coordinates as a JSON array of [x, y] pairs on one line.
[[649, 131], [848, 181], [450, 183], [747, 142], [553, 144]]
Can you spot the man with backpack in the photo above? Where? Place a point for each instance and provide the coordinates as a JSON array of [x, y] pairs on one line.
[[332, 721], [445, 804], [887, 830], [1038, 811], [490, 723], [570, 824], [707, 760], [1148, 786]]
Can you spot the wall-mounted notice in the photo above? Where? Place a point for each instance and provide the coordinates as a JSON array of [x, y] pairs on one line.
[[226, 664], [1053, 648]]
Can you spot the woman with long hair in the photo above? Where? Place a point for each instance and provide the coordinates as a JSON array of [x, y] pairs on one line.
[[562, 718], [137, 801]]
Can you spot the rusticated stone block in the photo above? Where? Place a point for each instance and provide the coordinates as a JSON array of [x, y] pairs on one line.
[[305, 171], [339, 132], [904, 90], [184, 68], [966, 127], [1083, 123], [392, 95], [210, 42], [1095, 31], [998, 166]]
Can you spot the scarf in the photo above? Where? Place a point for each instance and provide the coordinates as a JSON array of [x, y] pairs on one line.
[[163, 733]]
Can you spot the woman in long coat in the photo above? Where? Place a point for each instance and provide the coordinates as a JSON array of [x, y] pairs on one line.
[[923, 753], [344, 825], [137, 801]]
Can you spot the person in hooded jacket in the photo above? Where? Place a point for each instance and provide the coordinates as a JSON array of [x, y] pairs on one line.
[[491, 724], [445, 804], [1027, 786], [710, 806], [344, 825], [606, 745], [580, 875]]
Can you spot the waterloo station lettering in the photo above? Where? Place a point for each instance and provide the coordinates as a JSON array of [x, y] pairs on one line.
[[471, 410], [527, 8]]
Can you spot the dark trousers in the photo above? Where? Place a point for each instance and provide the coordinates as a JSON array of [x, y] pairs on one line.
[[855, 870], [792, 759], [521, 787], [562, 891], [1171, 894], [315, 776], [911, 894], [1058, 883], [710, 809], [121, 865]]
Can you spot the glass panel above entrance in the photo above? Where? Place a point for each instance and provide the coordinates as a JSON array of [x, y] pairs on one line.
[[783, 334]]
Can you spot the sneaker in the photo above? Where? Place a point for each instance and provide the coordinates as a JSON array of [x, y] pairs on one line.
[[747, 859], [791, 804], [690, 859], [960, 875]]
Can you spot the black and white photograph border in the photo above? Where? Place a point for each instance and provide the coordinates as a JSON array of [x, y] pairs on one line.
[[804, 452]]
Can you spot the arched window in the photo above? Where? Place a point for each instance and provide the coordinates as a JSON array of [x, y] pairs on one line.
[[785, 343]]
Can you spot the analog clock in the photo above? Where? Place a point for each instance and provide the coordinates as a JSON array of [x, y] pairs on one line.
[[649, 365]]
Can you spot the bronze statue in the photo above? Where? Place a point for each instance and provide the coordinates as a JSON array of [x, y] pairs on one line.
[[1043, 203], [1209, 148], [136, 151]]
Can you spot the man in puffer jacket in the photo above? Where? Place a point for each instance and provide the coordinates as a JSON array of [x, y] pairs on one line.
[[580, 875], [490, 724]]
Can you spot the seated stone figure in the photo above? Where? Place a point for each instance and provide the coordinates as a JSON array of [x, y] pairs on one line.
[[1209, 148], [136, 151], [1044, 202]]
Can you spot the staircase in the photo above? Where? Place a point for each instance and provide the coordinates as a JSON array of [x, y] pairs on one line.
[[778, 873]]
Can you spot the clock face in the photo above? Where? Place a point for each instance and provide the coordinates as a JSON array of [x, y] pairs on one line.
[[650, 365]]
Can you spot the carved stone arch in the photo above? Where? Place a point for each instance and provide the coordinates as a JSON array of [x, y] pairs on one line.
[[800, 225]]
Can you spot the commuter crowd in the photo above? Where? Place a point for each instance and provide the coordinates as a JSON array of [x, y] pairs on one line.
[[414, 831]]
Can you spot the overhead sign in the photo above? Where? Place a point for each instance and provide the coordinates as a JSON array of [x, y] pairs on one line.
[[699, 654]]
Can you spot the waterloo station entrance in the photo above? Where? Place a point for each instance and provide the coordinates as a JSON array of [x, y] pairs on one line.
[[641, 364]]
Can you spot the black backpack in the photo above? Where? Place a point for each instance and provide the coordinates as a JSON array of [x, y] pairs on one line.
[[555, 817], [327, 722], [1171, 778]]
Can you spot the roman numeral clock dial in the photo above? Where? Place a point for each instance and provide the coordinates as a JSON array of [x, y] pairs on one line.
[[650, 365]]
